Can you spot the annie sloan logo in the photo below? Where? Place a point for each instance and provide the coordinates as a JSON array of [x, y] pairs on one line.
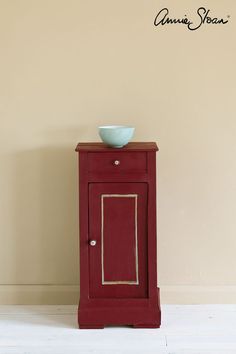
[[203, 17]]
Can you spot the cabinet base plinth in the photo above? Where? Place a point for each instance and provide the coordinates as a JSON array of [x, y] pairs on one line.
[[138, 313], [150, 319], [148, 325]]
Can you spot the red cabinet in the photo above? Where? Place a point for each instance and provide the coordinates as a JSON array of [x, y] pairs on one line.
[[117, 203]]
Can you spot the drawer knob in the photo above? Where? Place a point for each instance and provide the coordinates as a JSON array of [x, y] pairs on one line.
[[116, 162], [92, 243]]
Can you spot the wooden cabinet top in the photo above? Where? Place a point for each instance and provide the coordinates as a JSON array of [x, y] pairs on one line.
[[134, 146]]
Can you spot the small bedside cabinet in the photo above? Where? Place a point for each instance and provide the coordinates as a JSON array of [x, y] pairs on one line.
[[117, 218]]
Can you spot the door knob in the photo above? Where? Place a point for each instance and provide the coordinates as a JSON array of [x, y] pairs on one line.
[[92, 243], [116, 162]]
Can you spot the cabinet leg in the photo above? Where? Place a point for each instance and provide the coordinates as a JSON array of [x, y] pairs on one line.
[[87, 326], [146, 325]]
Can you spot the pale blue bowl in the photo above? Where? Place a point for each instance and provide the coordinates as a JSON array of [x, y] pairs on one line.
[[116, 136]]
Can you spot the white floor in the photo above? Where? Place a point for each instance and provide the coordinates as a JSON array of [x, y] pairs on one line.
[[186, 329]]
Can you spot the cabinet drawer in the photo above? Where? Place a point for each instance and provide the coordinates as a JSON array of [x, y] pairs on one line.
[[117, 162]]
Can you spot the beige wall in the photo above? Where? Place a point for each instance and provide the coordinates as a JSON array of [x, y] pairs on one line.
[[67, 67]]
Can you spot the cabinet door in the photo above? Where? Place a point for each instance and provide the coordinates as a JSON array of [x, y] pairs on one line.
[[118, 224]]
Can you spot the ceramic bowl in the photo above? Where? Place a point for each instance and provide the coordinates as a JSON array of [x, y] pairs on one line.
[[116, 136]]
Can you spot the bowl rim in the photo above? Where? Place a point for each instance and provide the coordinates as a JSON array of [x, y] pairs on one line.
[[115, 127]]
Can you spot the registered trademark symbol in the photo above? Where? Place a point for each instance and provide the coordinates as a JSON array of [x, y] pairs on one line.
[[228, 16]]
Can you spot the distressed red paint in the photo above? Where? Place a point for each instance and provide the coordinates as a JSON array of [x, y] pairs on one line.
[[118, 276]]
